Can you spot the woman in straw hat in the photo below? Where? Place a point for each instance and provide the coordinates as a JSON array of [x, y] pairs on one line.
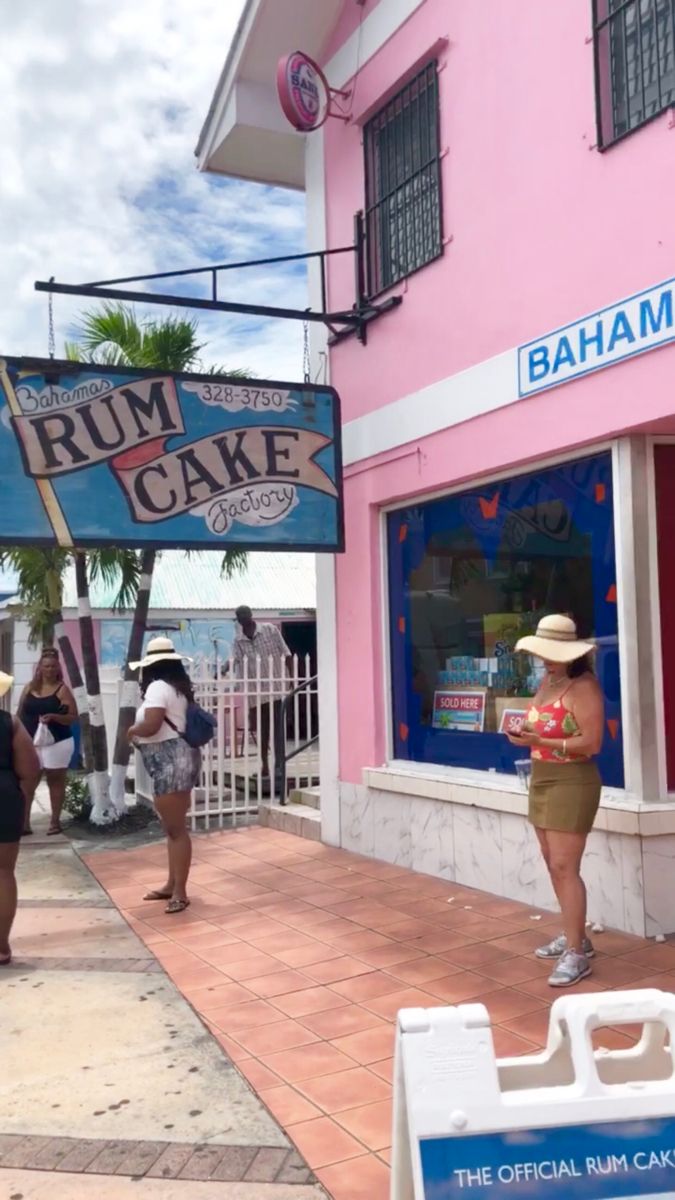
[[19, 775], [172, 765], [564, 729]]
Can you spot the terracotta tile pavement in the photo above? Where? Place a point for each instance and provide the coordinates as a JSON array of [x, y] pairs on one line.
[[298, 956]]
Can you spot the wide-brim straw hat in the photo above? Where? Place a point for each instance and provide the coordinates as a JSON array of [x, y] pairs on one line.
[[6, 682], [556, 640], [159, 649]]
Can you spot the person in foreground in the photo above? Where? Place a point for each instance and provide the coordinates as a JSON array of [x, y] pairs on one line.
[[171, 763], [47, 701], [19, 775], [564, 729]]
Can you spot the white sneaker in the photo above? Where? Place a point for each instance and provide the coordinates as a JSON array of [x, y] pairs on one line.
[[571, 969], [558, 946]]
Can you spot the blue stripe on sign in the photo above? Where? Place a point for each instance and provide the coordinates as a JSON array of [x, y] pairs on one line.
[[605, 1161]]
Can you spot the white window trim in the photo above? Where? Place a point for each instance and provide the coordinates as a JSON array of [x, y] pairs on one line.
[[326, 598], [504, 473], [627, 661], [619, 812], [368, 39]]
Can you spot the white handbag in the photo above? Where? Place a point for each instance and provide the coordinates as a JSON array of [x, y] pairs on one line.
[[43, 737]]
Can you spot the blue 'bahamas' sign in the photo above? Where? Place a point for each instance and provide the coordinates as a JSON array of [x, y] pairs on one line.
[[97, 455], [643, 322]]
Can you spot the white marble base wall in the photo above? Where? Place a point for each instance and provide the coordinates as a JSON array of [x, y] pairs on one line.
[[630, 878], [658, 857]]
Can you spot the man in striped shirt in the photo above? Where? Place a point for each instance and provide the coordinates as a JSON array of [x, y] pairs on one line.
[[262, 648]]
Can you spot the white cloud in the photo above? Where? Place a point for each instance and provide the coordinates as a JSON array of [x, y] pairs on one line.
[[102, 108]]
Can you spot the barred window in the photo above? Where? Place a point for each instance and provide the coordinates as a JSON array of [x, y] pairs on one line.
[[634, 63], [403, 183]]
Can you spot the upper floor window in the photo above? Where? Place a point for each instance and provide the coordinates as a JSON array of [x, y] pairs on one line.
[[403, 183], [634, 63]]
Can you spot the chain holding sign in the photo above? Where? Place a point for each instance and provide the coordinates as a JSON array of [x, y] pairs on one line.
[[570, 1123], [108, 456]]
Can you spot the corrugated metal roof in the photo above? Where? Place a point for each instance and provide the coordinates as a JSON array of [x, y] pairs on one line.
[[268, 582]]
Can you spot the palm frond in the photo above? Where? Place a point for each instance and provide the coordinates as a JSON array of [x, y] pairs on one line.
[[234, 563], [39, 575], [117, 568], [171, 344], [112, 329], [230, 372]]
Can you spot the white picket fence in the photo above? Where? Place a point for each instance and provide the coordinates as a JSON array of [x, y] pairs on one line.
[[233, 776]]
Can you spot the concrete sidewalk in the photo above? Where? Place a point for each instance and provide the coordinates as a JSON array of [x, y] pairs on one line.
[[111, 1086]]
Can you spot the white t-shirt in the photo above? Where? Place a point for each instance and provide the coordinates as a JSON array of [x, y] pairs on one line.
[[163, 695]]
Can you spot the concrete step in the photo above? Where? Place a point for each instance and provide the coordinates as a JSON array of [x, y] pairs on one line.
[[311, 797], [292, 818]]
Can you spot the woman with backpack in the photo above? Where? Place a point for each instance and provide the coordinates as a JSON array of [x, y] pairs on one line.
[[160, 732]]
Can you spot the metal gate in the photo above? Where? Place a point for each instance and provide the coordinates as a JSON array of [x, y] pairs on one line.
[[265, 746]]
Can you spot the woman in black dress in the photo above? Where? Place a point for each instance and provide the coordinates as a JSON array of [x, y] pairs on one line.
[[47, 700], [19, 774]]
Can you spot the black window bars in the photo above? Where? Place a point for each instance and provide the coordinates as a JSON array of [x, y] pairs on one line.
[[403, 218], [634, 42]]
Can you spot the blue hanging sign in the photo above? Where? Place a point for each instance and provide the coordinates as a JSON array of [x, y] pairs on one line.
[[96, 455], [610, 335]]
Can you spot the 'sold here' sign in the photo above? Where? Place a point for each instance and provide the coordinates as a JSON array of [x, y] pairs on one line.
[[640, 323], [459, 710]]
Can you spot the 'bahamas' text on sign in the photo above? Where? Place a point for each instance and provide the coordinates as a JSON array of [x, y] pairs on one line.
[[641, 323]]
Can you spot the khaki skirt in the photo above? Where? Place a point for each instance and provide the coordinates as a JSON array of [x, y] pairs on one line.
[[564, 796]]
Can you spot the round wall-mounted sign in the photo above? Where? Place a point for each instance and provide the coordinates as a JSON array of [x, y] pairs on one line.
[[303, 91]]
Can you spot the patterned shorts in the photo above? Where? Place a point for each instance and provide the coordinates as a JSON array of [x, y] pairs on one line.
[[172, 765]]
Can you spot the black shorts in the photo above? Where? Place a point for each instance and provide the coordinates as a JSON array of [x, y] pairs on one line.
[[12, 813]]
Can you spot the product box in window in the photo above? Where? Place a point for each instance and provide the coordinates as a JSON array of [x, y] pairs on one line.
[[501, 631]]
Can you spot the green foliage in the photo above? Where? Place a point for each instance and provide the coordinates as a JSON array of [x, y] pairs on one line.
[[114, 336], [233, 562], [39, 586], [121, 568], [77, 801]]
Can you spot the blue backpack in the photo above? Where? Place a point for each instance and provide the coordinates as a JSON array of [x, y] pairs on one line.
[[200, 726]]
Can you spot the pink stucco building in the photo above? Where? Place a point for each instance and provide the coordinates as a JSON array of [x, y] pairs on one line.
[[509, 427]]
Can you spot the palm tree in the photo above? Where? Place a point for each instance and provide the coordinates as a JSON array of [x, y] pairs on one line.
[[114, 336]]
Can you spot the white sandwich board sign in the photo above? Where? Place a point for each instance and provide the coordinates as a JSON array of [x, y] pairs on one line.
[[569, 1123]]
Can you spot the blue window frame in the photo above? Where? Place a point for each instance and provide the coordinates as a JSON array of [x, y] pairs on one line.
[[468, 575]]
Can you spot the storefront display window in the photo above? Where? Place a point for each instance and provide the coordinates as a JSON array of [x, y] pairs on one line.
[[471, 573]]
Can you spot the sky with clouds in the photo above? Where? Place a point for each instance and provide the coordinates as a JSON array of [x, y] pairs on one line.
[[102, 108]]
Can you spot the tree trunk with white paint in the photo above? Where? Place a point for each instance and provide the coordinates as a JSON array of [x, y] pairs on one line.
[[79, 692], [130, 686], [100, 781]]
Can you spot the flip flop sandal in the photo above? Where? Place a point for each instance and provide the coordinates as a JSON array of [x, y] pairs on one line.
[[54, 830], [6, 960], [157, 895], [177, 906], [27, 833]]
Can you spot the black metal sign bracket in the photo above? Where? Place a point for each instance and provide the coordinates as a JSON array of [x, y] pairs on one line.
[[342, 324]]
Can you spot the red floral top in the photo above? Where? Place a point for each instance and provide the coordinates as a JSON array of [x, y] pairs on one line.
[[553, 721]]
